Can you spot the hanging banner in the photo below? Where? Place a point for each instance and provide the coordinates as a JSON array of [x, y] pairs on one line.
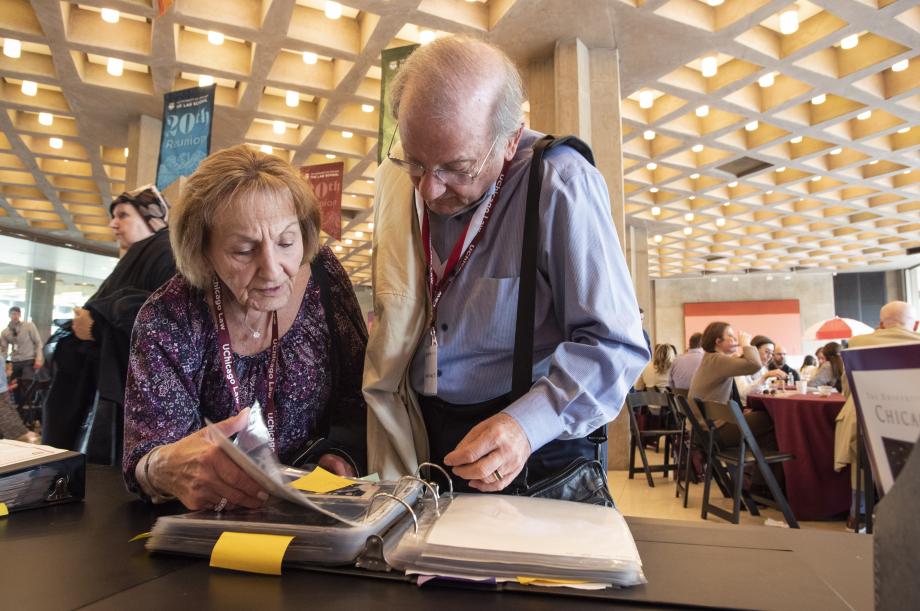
[[186, 137], [390, 62], [326, 181]]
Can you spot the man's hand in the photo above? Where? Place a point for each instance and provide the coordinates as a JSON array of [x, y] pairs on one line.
[[776, 373], [336, 464], [82, 324], [495, 444]]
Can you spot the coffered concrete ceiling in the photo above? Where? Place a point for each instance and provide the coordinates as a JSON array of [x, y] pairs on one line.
[[847, 195]]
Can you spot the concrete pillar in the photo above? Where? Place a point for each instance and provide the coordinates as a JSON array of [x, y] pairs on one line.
[[573, 89], [541, 92], [637, 259], [143, 151], [40, 300], [606, 130]]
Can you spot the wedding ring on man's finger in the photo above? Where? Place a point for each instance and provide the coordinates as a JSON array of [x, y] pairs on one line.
[[498, 476], [221, 505]]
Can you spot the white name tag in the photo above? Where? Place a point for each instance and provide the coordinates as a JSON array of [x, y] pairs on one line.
[[431, 366]]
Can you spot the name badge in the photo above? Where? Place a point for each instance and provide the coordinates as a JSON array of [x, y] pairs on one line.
[[430, 386]]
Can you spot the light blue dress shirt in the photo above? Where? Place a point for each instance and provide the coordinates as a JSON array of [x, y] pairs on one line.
[[588, 343]]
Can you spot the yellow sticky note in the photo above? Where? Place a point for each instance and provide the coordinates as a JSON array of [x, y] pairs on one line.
[[250, 552], [321, 481], [4, 510], [543, 581], [145, 535]]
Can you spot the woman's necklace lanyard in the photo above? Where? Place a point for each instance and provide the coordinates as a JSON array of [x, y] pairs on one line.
[[225, 348], [459, 256]]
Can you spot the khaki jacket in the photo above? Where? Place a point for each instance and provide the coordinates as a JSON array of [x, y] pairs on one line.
[[845, 432], [396, 437]]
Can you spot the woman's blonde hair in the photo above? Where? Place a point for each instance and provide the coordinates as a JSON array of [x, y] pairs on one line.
[[664, 357], [239, 175]]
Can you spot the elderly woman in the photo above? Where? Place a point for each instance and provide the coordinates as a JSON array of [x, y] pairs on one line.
[[254, 294]]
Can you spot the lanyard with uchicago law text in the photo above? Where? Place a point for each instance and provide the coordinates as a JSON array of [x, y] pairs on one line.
[[225, 350], [439, 282]]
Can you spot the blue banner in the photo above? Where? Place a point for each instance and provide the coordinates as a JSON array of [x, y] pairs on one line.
[[186, 137]]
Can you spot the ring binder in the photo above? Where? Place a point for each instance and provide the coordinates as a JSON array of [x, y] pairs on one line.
[[431, 488], [398, 500], [450, 482]]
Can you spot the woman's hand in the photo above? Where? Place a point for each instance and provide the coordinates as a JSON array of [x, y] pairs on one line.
[[197, 472], [82, 324], [336, 464]]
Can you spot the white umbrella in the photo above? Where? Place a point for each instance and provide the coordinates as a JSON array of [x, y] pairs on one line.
[[836, 328]]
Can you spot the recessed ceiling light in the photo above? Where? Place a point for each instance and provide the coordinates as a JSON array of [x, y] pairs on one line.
[[359, 234], [752, 126], [907, 171], [45, 118], [266, 148], [692, 197], [715, 2], [279, 127], [330, 155], [656, 210], [426, 36], [646, 99], [110, 15], [904, 130], [12, 47], [370, 226], [29, 88], [815, 178], [733, 184], [126, 151], [709, 65], [654, 190], [291, 98], [900, 66], [836, 151], [55, 143], [651, 165], [734, 278], [694, 176], [702, 111], [873, 162], [347, 134], [789, 21], [781, 169], [697, 148], [215, 38], [688, 230], [689, 217], [205, 80], [850, 41], [819, 99], [348, 242], [726, 204], [648, 134], [370, 181], [796, 140], [367, 108], [720, 222], [767, 80], [115, 66], [864, 115], [333, 10], [309, 57], [713, 279], [657, 238], [338, 248], [768, 192]]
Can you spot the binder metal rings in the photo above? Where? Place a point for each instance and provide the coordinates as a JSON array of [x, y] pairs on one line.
[[450, 482], [398, 500], [431, 489]]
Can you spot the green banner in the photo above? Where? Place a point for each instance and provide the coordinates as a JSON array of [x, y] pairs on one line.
[[390, 62]]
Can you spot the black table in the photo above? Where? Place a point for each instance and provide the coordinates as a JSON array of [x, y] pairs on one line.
[[79, 555]]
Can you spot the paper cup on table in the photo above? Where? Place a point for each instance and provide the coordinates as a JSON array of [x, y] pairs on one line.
[[801, 387]]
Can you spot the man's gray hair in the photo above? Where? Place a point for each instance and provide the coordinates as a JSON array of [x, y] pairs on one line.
[[444, 69]]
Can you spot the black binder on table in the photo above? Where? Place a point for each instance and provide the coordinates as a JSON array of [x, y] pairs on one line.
[[34, 476]]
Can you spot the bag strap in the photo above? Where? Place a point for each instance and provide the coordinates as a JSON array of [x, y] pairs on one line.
[[522, 369]]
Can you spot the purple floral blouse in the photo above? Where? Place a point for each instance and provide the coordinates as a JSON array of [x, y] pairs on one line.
[[175, 379]]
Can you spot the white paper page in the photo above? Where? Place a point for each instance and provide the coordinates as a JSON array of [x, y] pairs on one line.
[[534, 526], [12, 452]]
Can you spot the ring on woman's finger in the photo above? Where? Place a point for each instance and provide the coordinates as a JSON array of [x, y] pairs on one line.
[[221, 505], [498, 476]]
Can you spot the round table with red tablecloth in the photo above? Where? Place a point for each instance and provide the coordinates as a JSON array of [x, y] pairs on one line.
[[804, 426]]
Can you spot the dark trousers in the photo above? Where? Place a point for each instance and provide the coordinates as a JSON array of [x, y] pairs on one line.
[[24, 372], [448, 423]]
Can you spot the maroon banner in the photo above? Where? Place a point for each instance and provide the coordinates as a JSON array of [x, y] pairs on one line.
[[326, 181]]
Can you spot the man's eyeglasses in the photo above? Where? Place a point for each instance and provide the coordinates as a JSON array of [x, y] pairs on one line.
[[454, 178]]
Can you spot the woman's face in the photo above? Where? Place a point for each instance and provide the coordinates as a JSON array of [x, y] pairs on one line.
[[129, 226], [727, 344], [766, 353], [821, 358], [256, 250]]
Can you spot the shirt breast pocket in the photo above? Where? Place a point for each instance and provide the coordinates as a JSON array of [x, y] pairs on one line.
[[492, 313]]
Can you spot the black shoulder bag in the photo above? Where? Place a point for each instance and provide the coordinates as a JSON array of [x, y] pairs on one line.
[[583, 480]]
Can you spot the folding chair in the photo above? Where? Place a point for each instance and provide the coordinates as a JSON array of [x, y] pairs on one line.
[[652, 401], [747, 452]]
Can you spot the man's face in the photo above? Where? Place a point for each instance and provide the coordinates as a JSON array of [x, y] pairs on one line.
[[15, 316], [779, 356]]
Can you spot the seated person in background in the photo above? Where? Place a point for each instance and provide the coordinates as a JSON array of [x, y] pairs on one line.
[[714, 381], [830, 373], [779, 362], [809, 367], [655, 374], [747, 384], [251, 295], [11, 425], [686, 364]]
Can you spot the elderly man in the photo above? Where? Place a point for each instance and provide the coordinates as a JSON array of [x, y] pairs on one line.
[[898, 325], [779, 362], [23, 337], [439, 361]]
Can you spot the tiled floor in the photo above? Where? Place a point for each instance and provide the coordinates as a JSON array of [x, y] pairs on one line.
[[634, 497]]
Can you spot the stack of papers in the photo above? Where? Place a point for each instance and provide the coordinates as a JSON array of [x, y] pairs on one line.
[[510, 537]]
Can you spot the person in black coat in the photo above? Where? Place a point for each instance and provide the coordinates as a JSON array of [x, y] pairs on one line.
[[84, 407]]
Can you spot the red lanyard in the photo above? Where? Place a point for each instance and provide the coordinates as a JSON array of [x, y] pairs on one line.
[[225, 349], [456, 261]]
